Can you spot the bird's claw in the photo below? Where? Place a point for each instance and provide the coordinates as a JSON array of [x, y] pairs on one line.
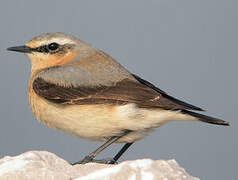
[[88, 159]]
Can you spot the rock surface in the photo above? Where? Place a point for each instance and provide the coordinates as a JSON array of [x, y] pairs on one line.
[[42, 165]]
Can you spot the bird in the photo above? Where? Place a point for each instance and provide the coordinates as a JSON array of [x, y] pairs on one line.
[[81, 90]]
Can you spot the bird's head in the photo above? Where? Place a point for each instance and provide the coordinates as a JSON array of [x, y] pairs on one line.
[[53, 49]]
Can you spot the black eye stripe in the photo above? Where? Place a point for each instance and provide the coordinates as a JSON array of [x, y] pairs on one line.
[[42, 49], [46, 49]]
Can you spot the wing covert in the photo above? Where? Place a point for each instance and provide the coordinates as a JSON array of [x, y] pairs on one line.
[[122, 92]]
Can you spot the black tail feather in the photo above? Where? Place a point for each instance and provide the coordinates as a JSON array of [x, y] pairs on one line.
[[206, 119]]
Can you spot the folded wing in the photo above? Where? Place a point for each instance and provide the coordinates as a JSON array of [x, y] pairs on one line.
[[140, 92]]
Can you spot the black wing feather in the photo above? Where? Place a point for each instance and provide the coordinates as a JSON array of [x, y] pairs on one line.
[[164, 94]]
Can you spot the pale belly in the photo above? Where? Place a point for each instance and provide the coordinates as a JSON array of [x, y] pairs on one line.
[[100, 122]]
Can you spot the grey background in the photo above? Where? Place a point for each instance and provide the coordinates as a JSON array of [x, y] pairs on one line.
[[188, 48]]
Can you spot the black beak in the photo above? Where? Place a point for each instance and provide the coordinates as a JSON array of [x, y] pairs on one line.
[[23, 49]]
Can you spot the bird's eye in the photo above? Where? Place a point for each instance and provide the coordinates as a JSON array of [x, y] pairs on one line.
[[53, 46]]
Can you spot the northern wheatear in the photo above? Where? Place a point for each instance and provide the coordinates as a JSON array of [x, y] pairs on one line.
[[85, 92]]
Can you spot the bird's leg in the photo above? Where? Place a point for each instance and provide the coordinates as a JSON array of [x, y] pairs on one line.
[[119, 154], [116, 157], [91, 156]]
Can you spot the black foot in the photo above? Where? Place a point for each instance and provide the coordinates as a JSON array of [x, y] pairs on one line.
[[87, 159], [106, 161]]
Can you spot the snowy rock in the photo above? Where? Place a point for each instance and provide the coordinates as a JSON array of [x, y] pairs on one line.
[[42, 165]]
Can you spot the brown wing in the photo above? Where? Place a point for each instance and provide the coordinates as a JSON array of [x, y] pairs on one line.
[[123, 92]]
